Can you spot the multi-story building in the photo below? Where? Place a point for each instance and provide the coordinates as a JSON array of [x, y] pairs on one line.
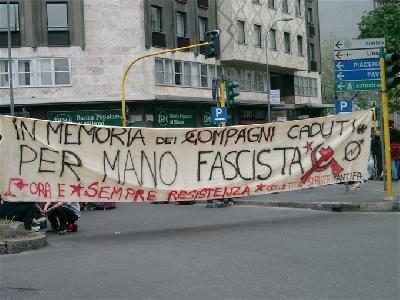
[[69, 56]]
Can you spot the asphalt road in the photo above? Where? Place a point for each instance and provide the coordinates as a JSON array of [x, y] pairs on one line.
[[144, 251]]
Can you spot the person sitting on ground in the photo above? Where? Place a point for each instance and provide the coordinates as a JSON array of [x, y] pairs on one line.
[[19, 211], [60, 214]]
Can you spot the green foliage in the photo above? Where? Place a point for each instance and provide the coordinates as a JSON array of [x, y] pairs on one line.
[[394, 103], [384, 21], [327, 71], [6, 221]]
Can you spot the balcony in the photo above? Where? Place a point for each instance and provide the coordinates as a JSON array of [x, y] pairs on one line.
[[202, 3], [15, 39], [314, 65], [311, 29], [158, 39], [183, 41], [58, 38]]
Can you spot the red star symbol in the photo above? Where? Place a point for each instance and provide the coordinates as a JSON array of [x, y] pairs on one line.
[[308, 147], [20, 184], [260, 187], [76, 189]]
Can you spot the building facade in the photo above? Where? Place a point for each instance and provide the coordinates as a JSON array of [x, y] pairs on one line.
[[68, 59]]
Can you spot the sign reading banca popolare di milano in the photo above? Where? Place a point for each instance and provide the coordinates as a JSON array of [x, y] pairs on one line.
[[357, 66]]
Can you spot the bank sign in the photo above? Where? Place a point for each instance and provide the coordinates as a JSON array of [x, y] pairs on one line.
[[112, 117]]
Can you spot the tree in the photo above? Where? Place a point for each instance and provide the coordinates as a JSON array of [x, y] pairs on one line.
[[384, 21], [327, 71]]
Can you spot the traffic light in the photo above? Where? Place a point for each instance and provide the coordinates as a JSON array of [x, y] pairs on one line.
[[212, 49], [231, 93], [392, 69]]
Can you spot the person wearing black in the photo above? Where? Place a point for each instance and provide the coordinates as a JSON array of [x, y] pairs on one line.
[[376, 152], [19, 211], [61, 214]]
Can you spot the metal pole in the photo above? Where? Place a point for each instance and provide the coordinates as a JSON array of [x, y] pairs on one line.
[[10, 74], [123, 104], [386, 133], [268, 78]]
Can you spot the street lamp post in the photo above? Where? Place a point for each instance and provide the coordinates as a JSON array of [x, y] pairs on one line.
[[266, 62], [10, 74]]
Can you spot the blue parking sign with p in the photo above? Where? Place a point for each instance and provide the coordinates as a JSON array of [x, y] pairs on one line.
[[343, 106], [219, 114]]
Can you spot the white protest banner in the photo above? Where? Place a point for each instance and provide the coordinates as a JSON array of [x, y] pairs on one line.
[[44, 160]]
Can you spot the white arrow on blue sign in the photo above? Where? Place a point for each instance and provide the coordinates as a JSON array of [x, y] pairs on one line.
[[358, 75], [359, 64]]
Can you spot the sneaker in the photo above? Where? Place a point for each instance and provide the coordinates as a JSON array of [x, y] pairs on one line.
[[35, 228], [62, 232]]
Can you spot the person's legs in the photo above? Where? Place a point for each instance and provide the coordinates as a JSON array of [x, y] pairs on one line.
[[57, 219], [394, 170], [25, 212], [70, 216]]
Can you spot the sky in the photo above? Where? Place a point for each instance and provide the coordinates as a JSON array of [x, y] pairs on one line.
[[340, 17]]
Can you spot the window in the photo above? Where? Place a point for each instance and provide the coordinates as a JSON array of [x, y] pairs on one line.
[[54, 71], [45, 74], [57, 24], [286, 38], [195, 74], [156, 19], [181, 30], [14, 18], [25, 74], [203, 28], [187, 73], [169, 72], [203, 76], [285, 6], [300, 45], [14, 25], [211, 74], [312, 52], [159, 68], [37, 72], [271, 3], [256, 1], [310, 15], [304, 86], [272, 39], [4, 80], [240, 32], [257, 35], [178, 73], [298, 7]]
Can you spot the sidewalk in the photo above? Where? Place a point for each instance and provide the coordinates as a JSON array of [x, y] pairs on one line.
[[369, 198]]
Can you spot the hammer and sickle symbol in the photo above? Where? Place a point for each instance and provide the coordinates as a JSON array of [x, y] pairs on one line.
[[317, 164]]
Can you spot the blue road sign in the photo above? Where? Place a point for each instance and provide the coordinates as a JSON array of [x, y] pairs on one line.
[[358, 75], [357, 64], [219, 114], [343, 106]]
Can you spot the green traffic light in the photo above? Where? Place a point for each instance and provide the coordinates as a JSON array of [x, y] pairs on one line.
[[231, 92], [392, 69], [212, 49]]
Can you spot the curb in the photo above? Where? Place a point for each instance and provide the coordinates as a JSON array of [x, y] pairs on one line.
[[31, 241], [389, 206]]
